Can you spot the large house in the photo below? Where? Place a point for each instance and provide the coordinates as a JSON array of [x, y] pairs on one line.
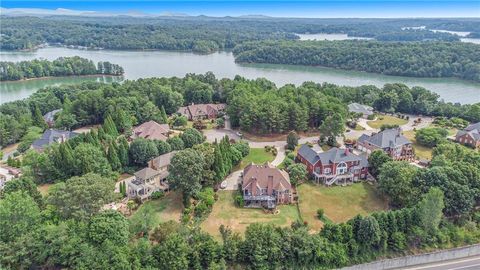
[[266, 186], [202, 111], [335, 166], [151, 130], [360, 109], [52, 136], [469, 136], [391, 141], [152, 178]]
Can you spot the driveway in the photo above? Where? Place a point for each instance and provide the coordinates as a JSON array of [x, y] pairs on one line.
[[233, 179]]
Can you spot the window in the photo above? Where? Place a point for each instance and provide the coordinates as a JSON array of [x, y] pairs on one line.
[[327, 170]]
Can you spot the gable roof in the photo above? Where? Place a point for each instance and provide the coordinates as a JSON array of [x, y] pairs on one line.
[[146, 173], [53, 135], [196, 110], [162, 160], [388, 138], [152, 130], [360, 108], [265, 176], [471, 127], [334, 155]]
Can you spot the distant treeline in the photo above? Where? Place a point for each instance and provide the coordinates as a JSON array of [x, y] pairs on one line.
[[63, 66], [415, 59], [204, 34]]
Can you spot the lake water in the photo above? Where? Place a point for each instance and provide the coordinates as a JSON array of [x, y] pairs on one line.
[[143, 64]]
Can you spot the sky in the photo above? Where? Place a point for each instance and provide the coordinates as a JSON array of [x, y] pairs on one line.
[[282, 8]]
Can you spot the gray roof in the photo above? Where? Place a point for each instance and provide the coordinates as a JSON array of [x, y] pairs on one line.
[[146, 173], [53, 135], [308, 153], [475, 126], [473, 130], [334, 155], [163, 160], [360, 108], [388, 138]]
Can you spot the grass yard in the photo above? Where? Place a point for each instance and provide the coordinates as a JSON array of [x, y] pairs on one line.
[[168, 208], [421, 151], [44, 189], [339, 203], [257, 156], [386, 119], [208, 123], [225, 212]]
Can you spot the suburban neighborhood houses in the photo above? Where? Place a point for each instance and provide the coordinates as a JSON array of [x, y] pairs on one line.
[[151, 179], [361, 109], [151, 130], [52, 136], [469, 136], [222, 181], [391, 141], [202, 111], [335, 166], [266, 186]]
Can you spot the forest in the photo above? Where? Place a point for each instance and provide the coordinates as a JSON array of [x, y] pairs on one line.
[[431, 208], [256, 106], [414, 59], [207, 34], [63, 66]]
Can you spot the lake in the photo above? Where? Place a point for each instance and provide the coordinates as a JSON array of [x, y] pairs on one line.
[[143, 64]]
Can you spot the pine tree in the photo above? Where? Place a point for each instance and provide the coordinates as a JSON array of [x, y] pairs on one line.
[[218, 164], [110, 127], [102, 136], [67, 105], [113, 157], [66, 159], [38, 120], [122, 151], [163, 115]]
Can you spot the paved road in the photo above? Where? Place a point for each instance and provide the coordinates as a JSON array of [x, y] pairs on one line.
[[470, 263]]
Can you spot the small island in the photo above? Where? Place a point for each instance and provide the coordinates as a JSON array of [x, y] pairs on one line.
[[62, 66]]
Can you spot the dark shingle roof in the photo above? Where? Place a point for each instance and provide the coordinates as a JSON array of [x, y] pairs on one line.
[[475, 126], [308, 153], [53, 135], [334, 155], [387, 138], [360, 108]]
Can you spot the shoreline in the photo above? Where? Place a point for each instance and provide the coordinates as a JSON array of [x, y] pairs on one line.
[[67, 76]]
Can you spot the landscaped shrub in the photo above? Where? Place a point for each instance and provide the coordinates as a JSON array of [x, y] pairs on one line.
[[371, 116], [239, 200], [388, 126], [320, 213], [157, 195]]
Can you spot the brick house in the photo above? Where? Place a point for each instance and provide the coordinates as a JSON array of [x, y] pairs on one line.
[[202, 111], [335, 166], [469, 136], [266, 186], [151, 130], [391, 141]]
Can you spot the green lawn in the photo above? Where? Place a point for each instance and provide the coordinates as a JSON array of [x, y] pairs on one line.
[[339, 203], [257, 156], [168, 208], [386, 119], [420, 150], [225, 212]]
